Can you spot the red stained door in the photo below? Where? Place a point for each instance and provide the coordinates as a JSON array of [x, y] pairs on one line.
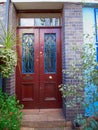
[[39, 71]]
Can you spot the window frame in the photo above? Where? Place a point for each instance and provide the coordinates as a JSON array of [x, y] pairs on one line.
[[96, 23]]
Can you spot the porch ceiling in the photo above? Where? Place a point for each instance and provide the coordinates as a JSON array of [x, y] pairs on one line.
[[38, 5]]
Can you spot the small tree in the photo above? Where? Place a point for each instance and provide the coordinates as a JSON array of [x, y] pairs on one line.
[[85, 92]]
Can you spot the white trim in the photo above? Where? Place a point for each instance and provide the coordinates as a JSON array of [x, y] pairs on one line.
[[86, 1], [2, 0]]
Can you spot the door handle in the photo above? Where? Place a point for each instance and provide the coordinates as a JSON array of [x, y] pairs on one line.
[[50, 77], [40, 52]]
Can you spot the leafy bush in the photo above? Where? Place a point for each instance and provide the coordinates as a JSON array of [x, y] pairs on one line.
[[8, 61], [10, 112], [8, 57], [84, 91]]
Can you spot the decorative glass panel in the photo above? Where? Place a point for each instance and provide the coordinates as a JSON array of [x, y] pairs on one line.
[[28, 53], [50, 53]]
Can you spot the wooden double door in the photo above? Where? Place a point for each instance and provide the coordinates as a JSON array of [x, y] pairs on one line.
[[39, 68]]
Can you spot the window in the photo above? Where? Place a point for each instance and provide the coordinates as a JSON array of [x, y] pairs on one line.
[[50, 52], [27, 53], [39, 22]]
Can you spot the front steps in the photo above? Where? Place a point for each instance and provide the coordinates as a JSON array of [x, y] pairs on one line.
[[44, 119]]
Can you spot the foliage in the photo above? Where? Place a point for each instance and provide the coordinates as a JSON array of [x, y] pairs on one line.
[[85, 71], [8, 57], [8, 62], [86, 123], [10, 114]]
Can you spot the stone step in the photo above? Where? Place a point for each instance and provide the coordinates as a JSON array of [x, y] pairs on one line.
[[43, 124], [57, 128], [44, 119]]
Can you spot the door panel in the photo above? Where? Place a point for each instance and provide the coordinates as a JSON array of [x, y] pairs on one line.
[[27, 72], [38, 72], [50, 68]]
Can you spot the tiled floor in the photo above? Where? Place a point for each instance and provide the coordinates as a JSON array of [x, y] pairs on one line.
[[43, 119]]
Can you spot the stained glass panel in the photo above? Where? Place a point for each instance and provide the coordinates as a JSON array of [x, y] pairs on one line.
[[50, 52], [28, 53]]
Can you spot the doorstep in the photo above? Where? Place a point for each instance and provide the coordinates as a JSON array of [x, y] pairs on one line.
[[43, 119], [26, 128]]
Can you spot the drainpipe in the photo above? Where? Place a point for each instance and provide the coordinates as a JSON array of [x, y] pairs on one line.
[[6, 28]]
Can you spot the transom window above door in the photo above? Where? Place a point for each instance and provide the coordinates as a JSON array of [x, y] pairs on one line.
[[39, 22]]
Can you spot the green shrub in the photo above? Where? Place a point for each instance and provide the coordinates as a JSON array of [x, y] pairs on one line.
[[10, 112], [8, 56], [8, 62]]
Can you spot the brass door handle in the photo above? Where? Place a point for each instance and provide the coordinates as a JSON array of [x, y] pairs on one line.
[[50, 77]]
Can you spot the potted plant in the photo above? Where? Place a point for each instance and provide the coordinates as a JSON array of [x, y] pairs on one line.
[[85, 92], [8, 56]]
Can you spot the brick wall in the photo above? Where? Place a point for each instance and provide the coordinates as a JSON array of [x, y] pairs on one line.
[[2, 12], [72, 36], [2, 19], [10, 82]]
